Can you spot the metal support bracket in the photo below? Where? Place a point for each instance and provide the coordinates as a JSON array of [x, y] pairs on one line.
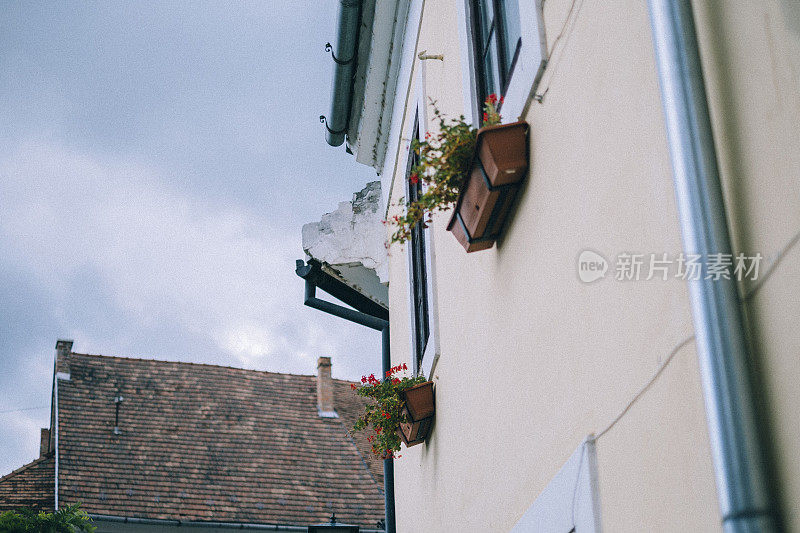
[[329, 48], [324, 120]]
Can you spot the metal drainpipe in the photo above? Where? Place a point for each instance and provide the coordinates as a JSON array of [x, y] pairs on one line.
[[381, 325], [739, 459], [388, 464], [55, 439], [344, 55]]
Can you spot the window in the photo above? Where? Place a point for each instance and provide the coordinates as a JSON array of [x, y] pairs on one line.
[[418, 264], [498, 39], [504, 49], [420, 250]]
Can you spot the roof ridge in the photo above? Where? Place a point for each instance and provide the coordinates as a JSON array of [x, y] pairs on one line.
[[191, 363], [48, 455]]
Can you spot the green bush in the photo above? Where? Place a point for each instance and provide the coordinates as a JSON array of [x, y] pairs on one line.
[[69, 519]]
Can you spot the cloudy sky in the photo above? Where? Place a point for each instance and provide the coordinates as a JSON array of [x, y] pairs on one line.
[[157, 160]]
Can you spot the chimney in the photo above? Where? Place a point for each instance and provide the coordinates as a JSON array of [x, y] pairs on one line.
[[44, 443], [325, 388], [63, 349]]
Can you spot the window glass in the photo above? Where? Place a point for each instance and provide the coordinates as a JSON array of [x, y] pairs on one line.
[[491, 66], [497, 38], [485, 19], [509, 15]]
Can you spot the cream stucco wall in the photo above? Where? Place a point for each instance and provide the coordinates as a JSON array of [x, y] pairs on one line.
[[532, 360]]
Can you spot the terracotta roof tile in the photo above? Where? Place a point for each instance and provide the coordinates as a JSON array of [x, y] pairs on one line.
[[203, 442], [29, 486]]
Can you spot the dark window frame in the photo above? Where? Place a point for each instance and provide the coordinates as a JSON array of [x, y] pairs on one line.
[[418, 265], [494, 42]]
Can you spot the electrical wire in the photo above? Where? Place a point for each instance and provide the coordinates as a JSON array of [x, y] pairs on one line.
[[652, 380], [756, 286], [566, 30], [747, 295], [578, 480], [24, 409], [563, 27]]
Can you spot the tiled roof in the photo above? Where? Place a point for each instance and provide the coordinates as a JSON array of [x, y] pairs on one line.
[[29, 486], [210, 443]]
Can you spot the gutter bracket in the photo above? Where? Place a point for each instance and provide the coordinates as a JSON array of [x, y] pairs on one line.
[[324, 120], [329, 48]]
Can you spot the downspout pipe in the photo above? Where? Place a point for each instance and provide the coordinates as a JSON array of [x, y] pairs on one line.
[[312, 274], [344, 57], [388, 464], [358, 317], [740, 460], [317, 275], [55, 438]]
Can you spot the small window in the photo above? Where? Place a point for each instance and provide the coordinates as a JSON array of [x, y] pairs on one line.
[[498, 38], [418, 265]]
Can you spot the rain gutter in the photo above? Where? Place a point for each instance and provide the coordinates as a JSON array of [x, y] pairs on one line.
[[207, 525], [344, 56]]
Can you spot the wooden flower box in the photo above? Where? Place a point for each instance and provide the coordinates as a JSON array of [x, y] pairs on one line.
[[419, 408], [499, 166]]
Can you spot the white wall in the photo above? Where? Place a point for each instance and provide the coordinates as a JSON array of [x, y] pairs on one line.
[[532, 360]]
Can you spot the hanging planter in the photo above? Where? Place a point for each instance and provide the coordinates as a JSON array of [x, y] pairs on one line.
[[499, 166], [419, 408], [476, 173], [402, 411]]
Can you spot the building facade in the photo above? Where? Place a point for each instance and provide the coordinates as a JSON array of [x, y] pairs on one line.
[[564, 402]]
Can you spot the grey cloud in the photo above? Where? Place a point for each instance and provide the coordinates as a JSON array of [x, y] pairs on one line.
[[156, 164]]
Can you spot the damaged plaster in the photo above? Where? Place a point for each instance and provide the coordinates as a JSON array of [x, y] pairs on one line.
[[351, 242]]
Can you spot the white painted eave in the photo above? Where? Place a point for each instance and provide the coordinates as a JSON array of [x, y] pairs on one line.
[[379, 52]]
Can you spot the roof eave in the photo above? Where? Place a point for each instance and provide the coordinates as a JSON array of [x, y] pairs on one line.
[[375, 84]]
